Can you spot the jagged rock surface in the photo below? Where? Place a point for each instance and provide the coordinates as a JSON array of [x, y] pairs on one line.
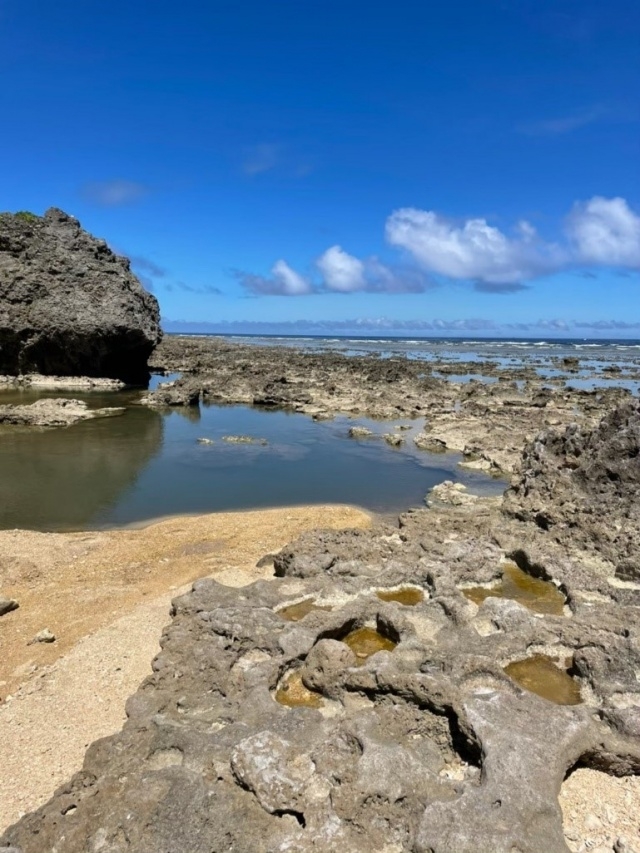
[[429, 747], [583, 486], [68, 305], [488, 423]]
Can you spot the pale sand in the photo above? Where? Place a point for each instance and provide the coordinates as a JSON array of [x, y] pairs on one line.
[[106, 597]]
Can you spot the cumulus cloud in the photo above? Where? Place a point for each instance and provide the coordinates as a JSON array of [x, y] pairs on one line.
[[341, 271], [114, 193], [284, 281], [473, 250], [597, 233], [605, 232]]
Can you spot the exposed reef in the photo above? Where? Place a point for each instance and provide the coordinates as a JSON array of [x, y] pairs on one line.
[[53, 413], [488, 423], [427, 745], [69, 306]]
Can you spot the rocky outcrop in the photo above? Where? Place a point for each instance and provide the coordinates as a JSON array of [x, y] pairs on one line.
[[258, 734], [583, 487], [488, 423], [53, 413], [68, 305]]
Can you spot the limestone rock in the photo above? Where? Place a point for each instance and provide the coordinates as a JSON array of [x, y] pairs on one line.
[[7, 605], [452, 493], [44, 636], [69, 306], [393, 439], [583, 487], [53, 412], [424, 441], [359, 432]]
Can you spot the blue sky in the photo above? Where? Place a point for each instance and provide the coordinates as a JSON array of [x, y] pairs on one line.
[[375, 165]]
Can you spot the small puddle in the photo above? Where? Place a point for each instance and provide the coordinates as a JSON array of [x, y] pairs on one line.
[[409, 596], [540, 675], [292, 693], [516, 585], [365, 642], [296, 612]]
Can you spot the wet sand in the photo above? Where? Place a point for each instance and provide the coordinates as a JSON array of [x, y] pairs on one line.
[[106, 596]]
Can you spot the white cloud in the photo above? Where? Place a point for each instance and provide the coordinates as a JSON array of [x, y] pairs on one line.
[[605, 232], [600, 232], [341, 271], [473, 250], [291, 283], [284, 281]]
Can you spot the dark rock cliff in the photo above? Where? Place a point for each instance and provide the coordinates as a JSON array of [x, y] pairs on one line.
[[69, 305]]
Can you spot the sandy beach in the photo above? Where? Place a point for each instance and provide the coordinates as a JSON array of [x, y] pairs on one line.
[[106, 597]]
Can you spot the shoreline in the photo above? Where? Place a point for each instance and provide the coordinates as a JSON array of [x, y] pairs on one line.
[[106, 596]]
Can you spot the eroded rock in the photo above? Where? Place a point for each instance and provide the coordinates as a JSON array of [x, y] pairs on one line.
[[69, 306]]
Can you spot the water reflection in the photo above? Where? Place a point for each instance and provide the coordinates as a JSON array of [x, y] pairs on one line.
[[147, 464], [59, 479]]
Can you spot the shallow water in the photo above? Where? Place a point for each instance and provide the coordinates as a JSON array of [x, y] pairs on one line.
[[540, 675], [409, 596], [292, 693], [516, 585], [148, 464], [296, 612], [365, 642]]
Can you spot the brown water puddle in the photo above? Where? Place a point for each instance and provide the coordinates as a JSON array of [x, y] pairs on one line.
[[408, 596], [539, 674], [516, 585], [365, 642], [296, 612], [294, 694]]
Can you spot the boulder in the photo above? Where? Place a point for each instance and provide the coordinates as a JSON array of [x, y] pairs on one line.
[[69, 306]]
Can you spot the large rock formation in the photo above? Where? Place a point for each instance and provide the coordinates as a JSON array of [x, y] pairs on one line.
[[583, 487], [68, 304]]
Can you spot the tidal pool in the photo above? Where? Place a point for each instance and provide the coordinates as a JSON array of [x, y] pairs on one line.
[[148, 464], [409, 596], [365, 642], [292, 693], [296, 612], [538, 595], [541, 675]]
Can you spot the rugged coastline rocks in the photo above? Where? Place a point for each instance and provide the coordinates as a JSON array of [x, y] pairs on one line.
[[583, 486], [488, 423], [69, 306], [426, 746]]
